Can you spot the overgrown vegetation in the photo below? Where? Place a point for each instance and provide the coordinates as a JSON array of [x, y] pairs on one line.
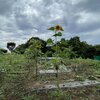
[[72, 48], [17, 78], [20, 70]]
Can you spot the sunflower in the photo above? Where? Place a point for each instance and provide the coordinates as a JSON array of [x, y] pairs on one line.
[[58, 28]]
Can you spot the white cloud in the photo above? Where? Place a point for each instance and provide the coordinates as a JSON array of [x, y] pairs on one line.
[[86, 18], [77, 1], [22, 19]]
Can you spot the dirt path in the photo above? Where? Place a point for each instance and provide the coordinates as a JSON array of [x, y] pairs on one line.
[[74, 84]]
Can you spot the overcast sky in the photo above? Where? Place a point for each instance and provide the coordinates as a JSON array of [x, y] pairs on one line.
[[22, 19]]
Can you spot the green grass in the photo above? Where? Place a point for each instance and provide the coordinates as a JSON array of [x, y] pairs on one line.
[[12, 62], [87, 66], [13, 67]]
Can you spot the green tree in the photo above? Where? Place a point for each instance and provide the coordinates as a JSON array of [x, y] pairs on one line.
[[90, 52], [20, 49], [11, 46], [97, 47], [23, 47]]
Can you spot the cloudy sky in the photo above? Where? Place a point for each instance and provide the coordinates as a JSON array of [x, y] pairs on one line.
[[22, 19]]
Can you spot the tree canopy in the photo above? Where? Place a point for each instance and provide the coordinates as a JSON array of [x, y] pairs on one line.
[[73, 47]]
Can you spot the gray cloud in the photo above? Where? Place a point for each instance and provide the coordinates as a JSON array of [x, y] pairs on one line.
[[6, 6], [21, 19], [89, 6]]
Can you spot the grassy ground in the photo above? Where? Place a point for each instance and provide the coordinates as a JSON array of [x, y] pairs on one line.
[[16, 73], [12, 62]]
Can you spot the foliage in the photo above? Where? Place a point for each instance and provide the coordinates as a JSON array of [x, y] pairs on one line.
[[79, 78], [97, 47], [23, 47], [57, 30], [20, 49], [33, 53], [17, 78], [59, 95], [14, 82], [82, 49], [49, 42], [76, 47], [3, 51], [11, 46]]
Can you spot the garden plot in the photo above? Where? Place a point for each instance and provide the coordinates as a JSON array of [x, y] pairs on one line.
[[62, 69], [49, 58], [51, 71], [67, 85]]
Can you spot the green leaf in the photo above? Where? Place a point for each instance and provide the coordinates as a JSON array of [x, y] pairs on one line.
[[51, 28], [54, 61], [62, 29], [49, 41], [53, 47], [58, 34]]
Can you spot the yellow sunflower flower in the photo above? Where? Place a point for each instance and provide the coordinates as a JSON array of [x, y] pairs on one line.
[[58, 28]]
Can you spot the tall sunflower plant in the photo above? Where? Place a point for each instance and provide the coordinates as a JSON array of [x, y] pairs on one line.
[[57, 33]]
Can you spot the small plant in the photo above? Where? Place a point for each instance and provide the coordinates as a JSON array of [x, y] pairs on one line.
[[59, 95], [79, 78], [33, 53], [91, 77]]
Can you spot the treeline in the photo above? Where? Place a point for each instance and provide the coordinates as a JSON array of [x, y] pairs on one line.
[[71, 48], [66, 48]]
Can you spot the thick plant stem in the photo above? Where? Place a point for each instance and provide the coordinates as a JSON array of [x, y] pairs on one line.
[[57, 79], [57, 68], [56, 48], [56, 45], [36, 66], [36, 70], [10, 59]]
